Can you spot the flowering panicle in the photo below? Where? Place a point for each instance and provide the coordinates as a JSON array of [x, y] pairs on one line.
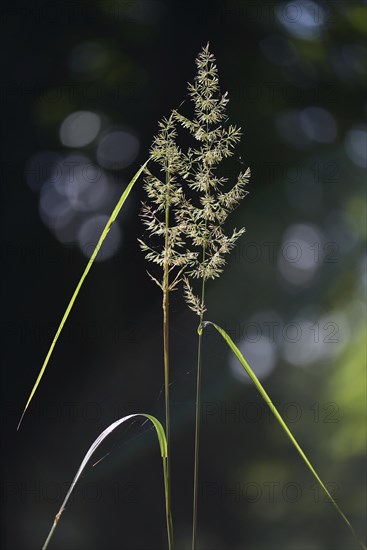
[[190, 221], [164, 193], [201, 218]]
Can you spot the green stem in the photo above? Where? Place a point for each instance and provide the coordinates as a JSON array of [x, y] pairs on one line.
[[165, 305], [198, 418], [198, 385], [168, 509]]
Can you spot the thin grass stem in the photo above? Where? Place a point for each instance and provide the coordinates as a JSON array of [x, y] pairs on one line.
[[198, 392], [165, 305], [198, 418], [168, 509]]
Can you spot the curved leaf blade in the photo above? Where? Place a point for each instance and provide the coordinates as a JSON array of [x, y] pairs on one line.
[[104, 234], [277, 415], [163, 448]]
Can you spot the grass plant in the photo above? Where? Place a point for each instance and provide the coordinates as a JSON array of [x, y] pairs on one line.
[[186, 207]]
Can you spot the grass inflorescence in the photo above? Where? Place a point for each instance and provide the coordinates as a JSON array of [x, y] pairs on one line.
[[187, 204]]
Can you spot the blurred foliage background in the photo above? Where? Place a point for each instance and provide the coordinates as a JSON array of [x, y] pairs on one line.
[[84, 84]]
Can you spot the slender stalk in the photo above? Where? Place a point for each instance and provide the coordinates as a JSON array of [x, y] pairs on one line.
[[198, 417], [165, 305], [198, 386], [168, 510]]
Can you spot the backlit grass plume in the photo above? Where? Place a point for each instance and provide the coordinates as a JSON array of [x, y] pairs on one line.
[[202, 214], [187, 205], [164, 193], [166, 243]]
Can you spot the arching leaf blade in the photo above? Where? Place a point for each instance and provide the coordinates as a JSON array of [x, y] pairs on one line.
[[277, 415], [104, 234], [163, 448]]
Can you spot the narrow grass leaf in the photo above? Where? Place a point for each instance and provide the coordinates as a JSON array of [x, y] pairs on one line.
[[162, 444], [277, 415], [104, 234]]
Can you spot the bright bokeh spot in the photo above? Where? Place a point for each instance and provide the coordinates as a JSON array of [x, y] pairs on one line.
[[257, 339], [40, 168], [302, 18], [289, 127], [90, 232], [117, 149], [300, 254], [79, 129], [318, 124], [310, 340], [356, 146], [261, 356]]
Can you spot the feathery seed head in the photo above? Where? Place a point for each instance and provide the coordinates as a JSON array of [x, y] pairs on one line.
[[203, 215], [187, 206]]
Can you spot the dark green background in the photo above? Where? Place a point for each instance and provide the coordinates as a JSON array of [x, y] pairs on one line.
[[280, 63]]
